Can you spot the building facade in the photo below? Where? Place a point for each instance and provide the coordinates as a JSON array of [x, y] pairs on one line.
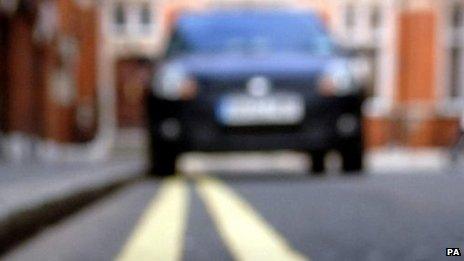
[[414, 48], [49, 76]]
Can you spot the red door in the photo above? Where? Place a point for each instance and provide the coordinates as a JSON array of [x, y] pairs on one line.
[[132, 78]]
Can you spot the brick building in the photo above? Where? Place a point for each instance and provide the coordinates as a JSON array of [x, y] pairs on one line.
[[415, 50], [75, 69], [48, 86]]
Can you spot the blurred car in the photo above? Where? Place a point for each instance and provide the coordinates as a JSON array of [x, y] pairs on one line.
[[249, 80]]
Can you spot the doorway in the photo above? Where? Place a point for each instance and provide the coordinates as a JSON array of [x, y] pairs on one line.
[[133, 76]]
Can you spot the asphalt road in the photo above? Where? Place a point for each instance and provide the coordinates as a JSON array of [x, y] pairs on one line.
[[401, 216]]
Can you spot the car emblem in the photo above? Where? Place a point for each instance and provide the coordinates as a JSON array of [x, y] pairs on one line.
[[259, 86]]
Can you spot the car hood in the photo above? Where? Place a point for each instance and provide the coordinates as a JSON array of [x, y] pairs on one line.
[[233, 65]]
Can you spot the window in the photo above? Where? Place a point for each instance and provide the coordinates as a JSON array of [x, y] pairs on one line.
[[119, 17], [350, 16], [457, 15], [375, 17], [455, 90], [362, 20], [365, 28], [145, 14], [144, 18], [240, 33], [133, 19], [455, 61]]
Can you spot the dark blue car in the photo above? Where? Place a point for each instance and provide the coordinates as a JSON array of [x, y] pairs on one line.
[[248, 80]]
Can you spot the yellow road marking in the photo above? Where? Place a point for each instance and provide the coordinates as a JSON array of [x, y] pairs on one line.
[[247, 234], [159, 234]]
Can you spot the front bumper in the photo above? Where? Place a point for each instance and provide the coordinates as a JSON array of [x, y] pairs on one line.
[[329, 123]]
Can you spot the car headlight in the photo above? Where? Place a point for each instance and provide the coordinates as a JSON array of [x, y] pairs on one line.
[[173, 83], [337, 81]]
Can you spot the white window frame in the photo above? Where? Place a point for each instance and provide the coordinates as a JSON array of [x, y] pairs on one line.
[[383, 40], [454, 37], [133, 27]]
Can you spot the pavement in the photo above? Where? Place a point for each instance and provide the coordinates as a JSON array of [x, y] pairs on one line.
[[386, 160], [33, 194], [419, 160]]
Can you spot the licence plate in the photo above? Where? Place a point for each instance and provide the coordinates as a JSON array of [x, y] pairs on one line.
[[244, 110]]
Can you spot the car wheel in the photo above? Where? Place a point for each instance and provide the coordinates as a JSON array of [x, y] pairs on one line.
[[318, 162], [162, 160], [163, 165], [352, 159]]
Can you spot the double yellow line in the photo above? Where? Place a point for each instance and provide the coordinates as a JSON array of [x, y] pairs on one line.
[[159, 235]]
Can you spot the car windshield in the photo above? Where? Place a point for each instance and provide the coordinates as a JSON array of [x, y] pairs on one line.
[[250, 32]]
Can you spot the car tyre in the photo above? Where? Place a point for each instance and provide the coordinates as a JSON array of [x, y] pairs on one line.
[[162, 160], [163, 165], [352, 159], [318, 162]]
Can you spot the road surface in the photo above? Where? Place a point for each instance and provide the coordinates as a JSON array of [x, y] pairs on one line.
[[402, 216]]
